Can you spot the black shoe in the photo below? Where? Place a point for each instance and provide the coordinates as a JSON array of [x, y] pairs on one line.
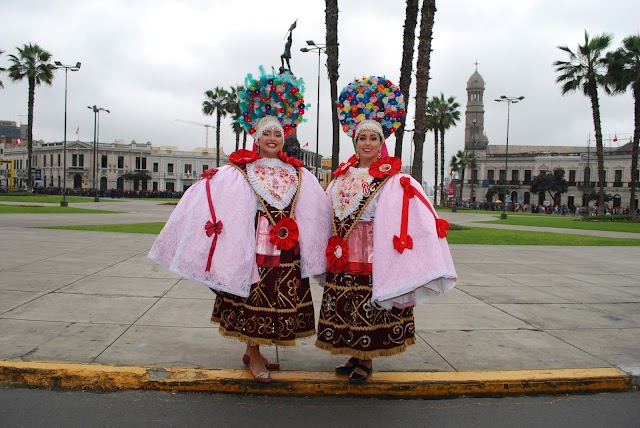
[[347, 370], [358, 378]]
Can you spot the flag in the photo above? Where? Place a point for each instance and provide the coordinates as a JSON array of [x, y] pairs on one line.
[[615, 138], [78, 130], [17, 141], [306, 145], [294, 25]]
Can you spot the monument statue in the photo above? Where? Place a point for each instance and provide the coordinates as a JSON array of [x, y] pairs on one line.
[[286, 55]]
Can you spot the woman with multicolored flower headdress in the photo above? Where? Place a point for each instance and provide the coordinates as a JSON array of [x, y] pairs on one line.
[[255, 230], [388, 251]]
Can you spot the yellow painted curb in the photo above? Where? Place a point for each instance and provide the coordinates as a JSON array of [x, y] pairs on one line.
[[387, 384]]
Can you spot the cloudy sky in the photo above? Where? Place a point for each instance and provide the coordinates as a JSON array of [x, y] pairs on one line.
[[149, 63]]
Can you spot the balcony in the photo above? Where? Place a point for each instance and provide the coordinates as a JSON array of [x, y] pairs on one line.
[[618, 184]]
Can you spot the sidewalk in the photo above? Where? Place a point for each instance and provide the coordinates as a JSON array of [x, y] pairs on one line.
[[519, 316]]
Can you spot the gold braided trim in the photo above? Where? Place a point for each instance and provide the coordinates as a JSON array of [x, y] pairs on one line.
[[360, 210], [257, 341], [366, 355], [268, 310], [399, 323], [286, 265]]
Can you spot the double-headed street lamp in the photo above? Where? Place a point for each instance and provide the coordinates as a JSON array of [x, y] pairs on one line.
[[59, 65], [509, 101], [96, 133], [313, 47]]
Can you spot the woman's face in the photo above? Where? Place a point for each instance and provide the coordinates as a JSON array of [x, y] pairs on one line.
[[368, 145], [270, 143]]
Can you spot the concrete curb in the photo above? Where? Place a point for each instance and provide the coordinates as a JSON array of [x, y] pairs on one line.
[[60, 375]]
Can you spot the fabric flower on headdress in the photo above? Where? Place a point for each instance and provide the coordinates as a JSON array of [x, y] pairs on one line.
[[277, 95], [371, 98]]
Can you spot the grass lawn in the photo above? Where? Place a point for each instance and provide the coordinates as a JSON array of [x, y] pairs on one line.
[[566, 222], [49, 209], [45, 199], [471, 235]]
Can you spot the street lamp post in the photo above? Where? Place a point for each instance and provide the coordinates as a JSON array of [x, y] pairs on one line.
[[509, 101], [59, 65], [313, 47], [473, 159], [96, 126]]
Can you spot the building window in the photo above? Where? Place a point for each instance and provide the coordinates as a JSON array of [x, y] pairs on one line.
[[490, 176], [543, 172], [120, 162], [503, 176], [205, 167], [187, 168], [572, 177], [515, 176], [170, 169], [617, 178], [44, 161], [155, 168], [74, 160], [80, 160], [58, 161], [137, 162], [527, 176], [154, 186], [51, 162], [169, 187], [103, 161]]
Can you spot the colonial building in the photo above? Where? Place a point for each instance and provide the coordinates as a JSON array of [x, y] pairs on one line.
[[522, 163]]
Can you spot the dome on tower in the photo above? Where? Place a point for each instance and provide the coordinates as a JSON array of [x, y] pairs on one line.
[[475, 81]]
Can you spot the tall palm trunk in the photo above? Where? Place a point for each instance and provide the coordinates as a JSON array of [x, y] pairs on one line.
[[462, 183], [237, 141], [435, 165], [422, 84], [442, 189], [217, 137], [244, 139], [331, 22], [410, 22], [32, 93], [634, 149], [595, 108]]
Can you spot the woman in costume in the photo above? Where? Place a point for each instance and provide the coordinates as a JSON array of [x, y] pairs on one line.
[[255, 230], [388, 251]]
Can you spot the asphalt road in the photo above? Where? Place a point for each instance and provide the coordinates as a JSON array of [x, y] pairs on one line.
[[35, 408]]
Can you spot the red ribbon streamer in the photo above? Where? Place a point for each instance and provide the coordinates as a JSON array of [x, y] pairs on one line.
[[212, 227]]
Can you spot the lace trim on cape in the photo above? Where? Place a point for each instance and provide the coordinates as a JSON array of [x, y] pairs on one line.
[[351, 182], [264, 193]]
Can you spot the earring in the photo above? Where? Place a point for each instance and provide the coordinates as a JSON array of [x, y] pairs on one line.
[[379, 155]]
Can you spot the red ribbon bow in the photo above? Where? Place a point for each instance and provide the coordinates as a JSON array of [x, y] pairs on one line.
[[211, 228], [296, 163], [209, 173]]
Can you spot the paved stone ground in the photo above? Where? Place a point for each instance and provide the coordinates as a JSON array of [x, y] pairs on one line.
[[94, 297]]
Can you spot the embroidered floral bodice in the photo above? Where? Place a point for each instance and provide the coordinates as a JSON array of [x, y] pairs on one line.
[[274, 181], [348, 191]]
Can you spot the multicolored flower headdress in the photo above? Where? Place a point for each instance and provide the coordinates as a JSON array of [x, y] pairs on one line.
[[280, 96], [371, 98]]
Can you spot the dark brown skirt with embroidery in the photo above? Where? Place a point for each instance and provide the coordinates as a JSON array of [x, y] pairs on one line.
[[349, 324], [278, 310]]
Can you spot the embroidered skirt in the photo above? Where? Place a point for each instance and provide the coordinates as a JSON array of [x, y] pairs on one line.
[[278, 310], [349, 324]]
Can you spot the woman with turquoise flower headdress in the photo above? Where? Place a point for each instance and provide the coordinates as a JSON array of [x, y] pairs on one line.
[[254, 231], [388, 251]]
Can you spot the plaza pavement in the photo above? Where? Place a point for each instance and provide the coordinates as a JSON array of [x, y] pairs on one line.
[[72, 301]]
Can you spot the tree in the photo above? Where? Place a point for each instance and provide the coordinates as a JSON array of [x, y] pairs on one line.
[[496, 189], [1, 71], [331, 23], [624, 71], [550, 183], [32, 63], [216, 102], [409, 38], [431, 113], [427, 15], [447, 116], [233, 107], [586, 70], [459, 163]]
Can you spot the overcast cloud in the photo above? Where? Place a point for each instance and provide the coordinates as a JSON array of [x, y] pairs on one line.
[[149, 62]]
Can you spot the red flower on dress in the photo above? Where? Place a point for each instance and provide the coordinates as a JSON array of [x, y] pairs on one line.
[[211, 228], [337, 253], [243, 157], [296, 163], [441, 227], [401, 244], [344, 166], [285, 234], [209, 173], [384, 167]]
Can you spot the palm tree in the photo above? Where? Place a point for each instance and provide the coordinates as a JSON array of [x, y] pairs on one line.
[[331, 23], [459, 163], [32, 63], [409, 38], [2, 70], [624, 70], [431, 124], [447, 116], [217, 103], [233, 107], [427, 14], [585, 70]]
